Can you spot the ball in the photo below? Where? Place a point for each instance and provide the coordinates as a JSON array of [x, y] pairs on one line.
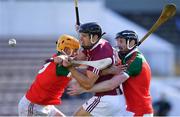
[[12, 42]]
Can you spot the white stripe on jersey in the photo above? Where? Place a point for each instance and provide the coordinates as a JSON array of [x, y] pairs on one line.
[[96, 71]]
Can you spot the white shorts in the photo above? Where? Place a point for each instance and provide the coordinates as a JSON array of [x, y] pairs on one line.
[[148, 115], [26, 108], [133, 114], [108, 105]]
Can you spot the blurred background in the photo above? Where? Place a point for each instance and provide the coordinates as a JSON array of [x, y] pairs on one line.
[[37, 24]]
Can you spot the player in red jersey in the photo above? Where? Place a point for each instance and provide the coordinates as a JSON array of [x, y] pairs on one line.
[[96, 48], [50, 82], [135, 79]]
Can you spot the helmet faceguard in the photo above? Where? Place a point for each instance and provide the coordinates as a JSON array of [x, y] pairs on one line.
[[67, 41]]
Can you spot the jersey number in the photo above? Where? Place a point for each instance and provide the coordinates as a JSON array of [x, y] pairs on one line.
[[43, 68]]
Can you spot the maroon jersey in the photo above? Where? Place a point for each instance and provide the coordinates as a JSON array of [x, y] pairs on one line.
[[101, 50]]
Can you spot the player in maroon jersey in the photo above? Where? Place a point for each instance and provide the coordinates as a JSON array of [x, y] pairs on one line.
[[50, 82], [96, 48]]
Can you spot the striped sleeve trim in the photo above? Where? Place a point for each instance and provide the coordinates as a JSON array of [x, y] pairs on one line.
[[96, 71]]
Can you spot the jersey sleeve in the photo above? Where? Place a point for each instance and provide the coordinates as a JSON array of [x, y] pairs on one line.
[[101, 53], [61, 71], [135, 67]]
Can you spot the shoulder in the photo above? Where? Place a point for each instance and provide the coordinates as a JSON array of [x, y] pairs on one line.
[[104, 42], [135, 58], [105, 46], [135, 66], [104, 50]]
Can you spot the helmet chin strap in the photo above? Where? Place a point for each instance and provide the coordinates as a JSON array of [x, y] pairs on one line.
[[91, 39], [122, 54], [128, 45], [92, 43]]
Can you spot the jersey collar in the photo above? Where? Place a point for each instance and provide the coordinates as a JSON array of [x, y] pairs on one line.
[[134, 50], [95, 45]]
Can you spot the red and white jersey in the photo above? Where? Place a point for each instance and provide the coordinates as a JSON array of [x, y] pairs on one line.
[[101, 50], [137, 87], [48, 87]]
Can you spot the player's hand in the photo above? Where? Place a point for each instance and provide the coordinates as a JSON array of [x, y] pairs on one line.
[[58, 60], [67, 62], [123, 68], [75, 89], [77, 27], [116, 69]]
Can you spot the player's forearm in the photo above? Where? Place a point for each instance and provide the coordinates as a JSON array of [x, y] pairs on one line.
[[105, 72], [83, 80], [115, 70], [109, 84], [101, 87]]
